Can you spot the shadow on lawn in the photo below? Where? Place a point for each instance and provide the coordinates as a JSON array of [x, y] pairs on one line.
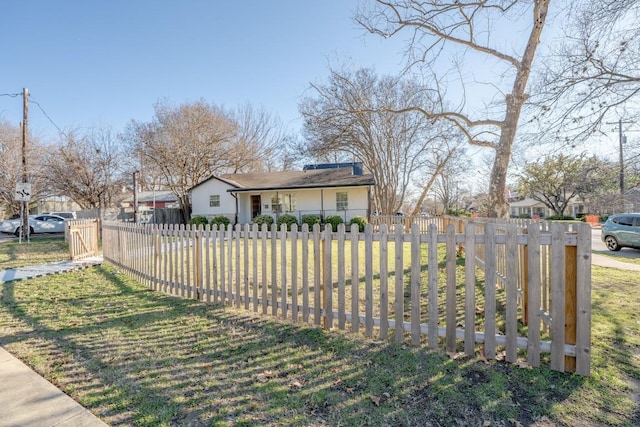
[[619, 353], [134, 356]]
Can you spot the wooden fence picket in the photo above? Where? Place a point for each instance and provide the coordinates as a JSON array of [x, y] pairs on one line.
[[399, 285], [384, 283], [355, 282], [533, 295]]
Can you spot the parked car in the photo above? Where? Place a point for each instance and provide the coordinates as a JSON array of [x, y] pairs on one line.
[[67, 215], [622, 231], [37, 224]]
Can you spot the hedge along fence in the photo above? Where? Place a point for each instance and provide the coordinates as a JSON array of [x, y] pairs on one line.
[[416, 287]]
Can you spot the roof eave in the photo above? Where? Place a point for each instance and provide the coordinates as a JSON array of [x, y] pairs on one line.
[[298, 187]]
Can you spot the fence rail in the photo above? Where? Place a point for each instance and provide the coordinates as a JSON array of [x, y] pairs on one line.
[[411, 286]]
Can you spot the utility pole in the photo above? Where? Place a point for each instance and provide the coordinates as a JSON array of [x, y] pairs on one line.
[[25, 133], [135, 196], [621, 140]]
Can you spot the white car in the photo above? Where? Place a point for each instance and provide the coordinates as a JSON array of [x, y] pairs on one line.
[[37, 224]]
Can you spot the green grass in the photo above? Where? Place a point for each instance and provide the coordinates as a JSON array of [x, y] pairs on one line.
[[39, 250], [136, 357]]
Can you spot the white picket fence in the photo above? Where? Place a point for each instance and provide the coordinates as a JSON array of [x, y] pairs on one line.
[[469, 288]]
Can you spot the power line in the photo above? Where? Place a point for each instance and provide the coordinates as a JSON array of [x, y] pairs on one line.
[[47, 116], [15, 95]]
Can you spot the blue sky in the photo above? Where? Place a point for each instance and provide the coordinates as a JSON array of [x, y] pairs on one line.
[[103, 63]]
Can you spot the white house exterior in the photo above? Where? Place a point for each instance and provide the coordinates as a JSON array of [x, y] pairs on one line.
[[322, 192], [534, 208]]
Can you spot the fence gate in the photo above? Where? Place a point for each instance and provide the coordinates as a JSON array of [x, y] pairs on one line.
[[83, 235]]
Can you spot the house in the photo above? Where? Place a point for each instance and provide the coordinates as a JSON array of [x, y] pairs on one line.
[[56, 204], [157, 206], [158, 199], [531, 208], [343, 191]]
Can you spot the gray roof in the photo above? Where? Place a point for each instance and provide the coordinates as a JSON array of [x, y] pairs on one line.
[[321, 178], [150, 196]]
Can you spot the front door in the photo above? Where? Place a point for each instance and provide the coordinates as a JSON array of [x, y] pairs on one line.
[[256, 206]]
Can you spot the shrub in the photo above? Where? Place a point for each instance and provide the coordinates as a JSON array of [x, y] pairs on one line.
[[560, 218], [287, 219], [334, 220], [310, 220], [263, 219], [198, 220], [360, 221], [220, 220]]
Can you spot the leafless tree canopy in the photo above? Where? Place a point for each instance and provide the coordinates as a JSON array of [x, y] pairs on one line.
[[187, 144], [11, 170], [464, 29], [594, 74], [352, 118], [87, 168]]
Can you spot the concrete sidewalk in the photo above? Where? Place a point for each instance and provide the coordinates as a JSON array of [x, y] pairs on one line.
[[30, 272], [27, 399], [610, 262]]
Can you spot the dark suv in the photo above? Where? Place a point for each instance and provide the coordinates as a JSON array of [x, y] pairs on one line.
[[622, 231]]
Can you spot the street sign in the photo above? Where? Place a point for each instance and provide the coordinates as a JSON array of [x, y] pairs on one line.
[[23, 192]]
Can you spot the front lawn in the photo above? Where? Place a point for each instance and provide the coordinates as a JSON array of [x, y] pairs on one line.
[[136, 357]]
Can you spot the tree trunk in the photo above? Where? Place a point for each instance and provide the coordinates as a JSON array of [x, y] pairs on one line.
[[498, 206]]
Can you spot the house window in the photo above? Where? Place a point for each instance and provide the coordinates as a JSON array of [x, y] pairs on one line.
[[283, 203], [342, 201], [276, 206], [214, 201], [289, 203]]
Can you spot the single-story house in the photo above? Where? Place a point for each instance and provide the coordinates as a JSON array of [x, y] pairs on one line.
[[343, 191], [535, 209]]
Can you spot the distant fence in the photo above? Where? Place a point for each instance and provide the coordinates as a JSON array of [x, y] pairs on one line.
[[151, 216], [461, 288]]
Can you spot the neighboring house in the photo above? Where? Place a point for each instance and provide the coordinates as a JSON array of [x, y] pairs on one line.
[[321, 191], [159, 199], [152, 207], [56, 204], [531, 208]]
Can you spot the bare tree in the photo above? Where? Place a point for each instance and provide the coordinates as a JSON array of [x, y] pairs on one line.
[[187, 144], [593, 74], [350, 118], [11, 170], [465, 28], [452, 184], [86, 167], [260, 140]]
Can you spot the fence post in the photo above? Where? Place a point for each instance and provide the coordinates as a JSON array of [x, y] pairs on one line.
[[570, 302]]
